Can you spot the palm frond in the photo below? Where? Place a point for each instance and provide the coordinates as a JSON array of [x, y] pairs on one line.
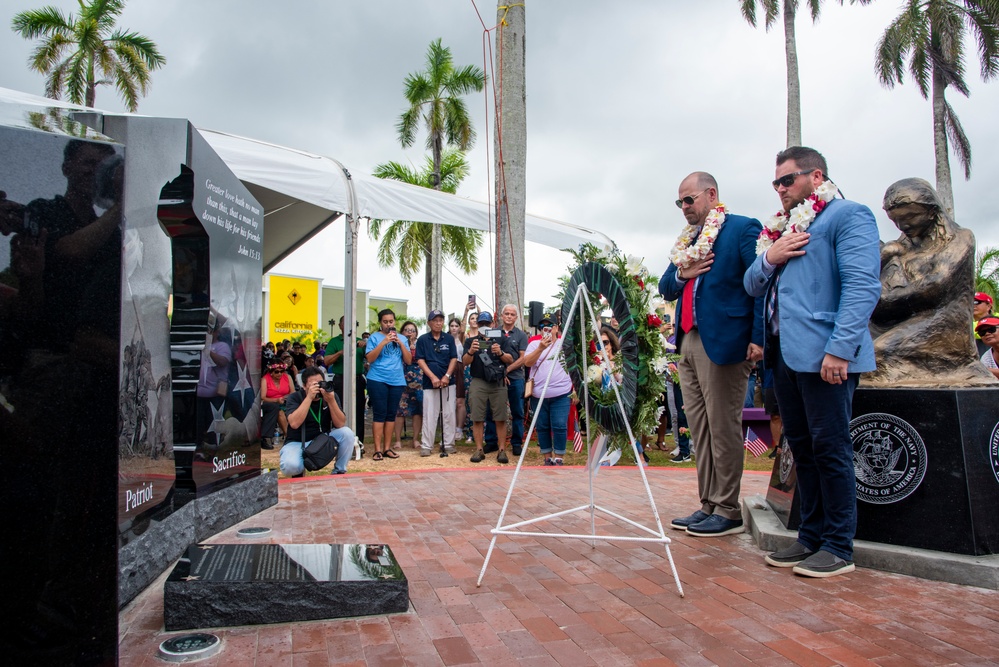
[[771, 10], [34, 23], [958, 139], [99, 54], [987, 271]]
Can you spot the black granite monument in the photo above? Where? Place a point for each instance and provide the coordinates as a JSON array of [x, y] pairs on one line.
[[90, 280], [927, 469]]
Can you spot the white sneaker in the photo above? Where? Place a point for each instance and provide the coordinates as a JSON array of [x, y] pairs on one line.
[[676, 450]]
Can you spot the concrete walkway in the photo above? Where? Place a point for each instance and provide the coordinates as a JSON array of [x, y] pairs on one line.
[[560, 602]]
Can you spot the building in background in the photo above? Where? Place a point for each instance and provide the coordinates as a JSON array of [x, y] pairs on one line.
[[300, 307]]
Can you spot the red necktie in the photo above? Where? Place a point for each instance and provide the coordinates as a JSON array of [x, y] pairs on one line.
[[687, 307]]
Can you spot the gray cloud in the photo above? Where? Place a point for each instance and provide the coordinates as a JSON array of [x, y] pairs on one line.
[[624, 99]]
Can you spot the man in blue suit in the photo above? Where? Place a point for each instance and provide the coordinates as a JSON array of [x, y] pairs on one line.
[[720, 338], [820, 288]]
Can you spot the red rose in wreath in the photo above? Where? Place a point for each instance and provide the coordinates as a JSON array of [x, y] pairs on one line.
[[653, 320]]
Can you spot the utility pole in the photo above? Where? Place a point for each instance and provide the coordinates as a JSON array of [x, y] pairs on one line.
[[511, 154]]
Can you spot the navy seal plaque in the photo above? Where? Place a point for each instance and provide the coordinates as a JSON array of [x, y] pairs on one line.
[[249, 584], [927, 469]]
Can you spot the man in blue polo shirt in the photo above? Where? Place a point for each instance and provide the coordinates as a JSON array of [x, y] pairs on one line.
[[437, 356]]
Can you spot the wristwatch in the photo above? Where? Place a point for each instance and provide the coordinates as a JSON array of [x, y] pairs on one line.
[[447, 375]]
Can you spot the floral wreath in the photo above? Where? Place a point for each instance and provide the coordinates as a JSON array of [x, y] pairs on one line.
[[798, 220], [685, 250], [647, 367]]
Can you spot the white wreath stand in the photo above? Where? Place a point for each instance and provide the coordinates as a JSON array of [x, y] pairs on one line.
[[658, 535]]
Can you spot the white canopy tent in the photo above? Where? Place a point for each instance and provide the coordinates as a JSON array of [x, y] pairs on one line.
[[299, 190], [302, 193]]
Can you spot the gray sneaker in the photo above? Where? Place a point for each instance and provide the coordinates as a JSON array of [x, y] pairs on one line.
[[789, 557], [478, 456], [450, 450], [425, 452], [501, 457], [822, 564]]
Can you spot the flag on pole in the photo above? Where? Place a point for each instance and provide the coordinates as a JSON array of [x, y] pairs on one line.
[[754, 444], [577, 438]]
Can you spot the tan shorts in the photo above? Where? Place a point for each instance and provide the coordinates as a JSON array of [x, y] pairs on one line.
[[481, 394]]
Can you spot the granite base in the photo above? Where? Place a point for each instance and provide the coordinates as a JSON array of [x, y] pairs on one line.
[[218, 585], [147, 556]]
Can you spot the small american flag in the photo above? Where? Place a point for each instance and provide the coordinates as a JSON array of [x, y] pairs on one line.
[[577, 438], [754, 444]]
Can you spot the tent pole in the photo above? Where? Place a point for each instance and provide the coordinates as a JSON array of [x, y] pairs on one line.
[[351, 230]]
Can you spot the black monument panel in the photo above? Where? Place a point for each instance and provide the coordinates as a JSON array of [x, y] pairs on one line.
[[927, 469], [245, 584], [923, 474], [216, 229], [781, 494], [60, 268]]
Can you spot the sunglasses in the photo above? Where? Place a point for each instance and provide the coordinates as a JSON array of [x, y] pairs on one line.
[[979, 302], [787, 180], [985, 331], [604, 341], [689, 200]]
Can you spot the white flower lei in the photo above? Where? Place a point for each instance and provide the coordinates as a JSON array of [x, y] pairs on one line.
[[798, 220], [683, 253]]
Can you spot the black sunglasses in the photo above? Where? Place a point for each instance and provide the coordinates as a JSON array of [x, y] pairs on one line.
[[787, 180], [689, 200], [985, 331]]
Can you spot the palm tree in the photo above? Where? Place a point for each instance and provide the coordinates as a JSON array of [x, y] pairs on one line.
[[930, 35], [434, 97], [79, 53], [409, 242], [987, 271], [771, 9]]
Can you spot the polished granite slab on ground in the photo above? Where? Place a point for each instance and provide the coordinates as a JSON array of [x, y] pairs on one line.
[[217, 585], [550, 602]]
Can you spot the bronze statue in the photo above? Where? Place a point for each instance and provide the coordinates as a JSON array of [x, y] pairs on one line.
[[922, 324]]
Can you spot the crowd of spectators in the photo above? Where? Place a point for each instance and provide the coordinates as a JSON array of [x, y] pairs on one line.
[[467, 380]]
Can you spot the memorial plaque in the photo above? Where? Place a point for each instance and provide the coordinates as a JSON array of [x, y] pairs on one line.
[[781, 494], [248, 584], [927, 469]]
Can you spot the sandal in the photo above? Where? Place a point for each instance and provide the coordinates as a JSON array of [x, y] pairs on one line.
[[661, 446], [377, 456], [389, 454]]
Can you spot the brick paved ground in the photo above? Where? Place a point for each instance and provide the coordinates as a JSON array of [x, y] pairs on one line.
[[561, 602]]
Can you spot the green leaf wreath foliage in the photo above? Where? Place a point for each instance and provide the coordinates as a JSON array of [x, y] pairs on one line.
[[641, 289]]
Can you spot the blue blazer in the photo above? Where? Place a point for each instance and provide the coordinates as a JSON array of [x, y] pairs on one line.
[[728, 319], [826, 296]]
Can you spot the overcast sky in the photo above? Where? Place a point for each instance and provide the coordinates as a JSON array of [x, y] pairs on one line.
[[623, 100]]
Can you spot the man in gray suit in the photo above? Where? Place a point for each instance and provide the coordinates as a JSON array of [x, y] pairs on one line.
[[820, 288]]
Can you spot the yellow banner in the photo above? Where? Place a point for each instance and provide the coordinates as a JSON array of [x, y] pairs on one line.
[[294, 307]]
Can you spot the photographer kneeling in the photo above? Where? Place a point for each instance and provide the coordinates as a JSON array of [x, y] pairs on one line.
[[488, 389], [314, 410]]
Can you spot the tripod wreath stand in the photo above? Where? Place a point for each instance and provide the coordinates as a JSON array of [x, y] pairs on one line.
[[613, 417]]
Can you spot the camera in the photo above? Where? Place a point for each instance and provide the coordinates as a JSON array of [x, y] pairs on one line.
[[490, 336], [327, 386]]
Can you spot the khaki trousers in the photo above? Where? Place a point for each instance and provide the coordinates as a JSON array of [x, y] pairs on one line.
[[712, 398], [432, 408]]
